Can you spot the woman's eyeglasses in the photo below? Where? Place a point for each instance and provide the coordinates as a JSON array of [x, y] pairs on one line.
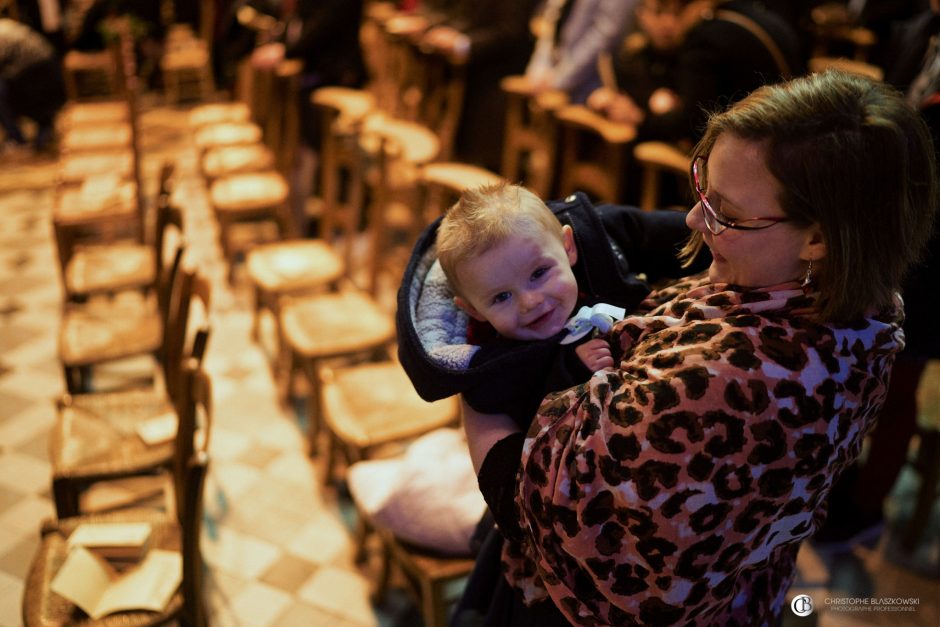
[[715, 221]]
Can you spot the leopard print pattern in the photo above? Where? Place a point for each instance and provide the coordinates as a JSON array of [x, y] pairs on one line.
[[677, 487]]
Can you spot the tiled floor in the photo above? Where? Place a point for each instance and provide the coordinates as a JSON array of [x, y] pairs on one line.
[[277, 545]]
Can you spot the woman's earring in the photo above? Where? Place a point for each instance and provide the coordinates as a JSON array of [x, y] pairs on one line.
[[809, 274]]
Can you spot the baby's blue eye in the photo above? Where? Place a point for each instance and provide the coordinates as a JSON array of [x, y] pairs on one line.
[[501, 297], [539, 273]]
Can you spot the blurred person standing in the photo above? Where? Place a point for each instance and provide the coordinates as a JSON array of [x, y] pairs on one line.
[[573, 35], [30, 85], [493, 39]]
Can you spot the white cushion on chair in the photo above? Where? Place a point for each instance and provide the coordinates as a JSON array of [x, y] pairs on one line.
[[428, 496]]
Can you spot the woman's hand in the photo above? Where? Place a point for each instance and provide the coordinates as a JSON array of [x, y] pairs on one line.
[[595, 354]]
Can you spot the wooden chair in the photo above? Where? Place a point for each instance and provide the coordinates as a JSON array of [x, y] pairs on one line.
[[531, 139], [658, 160], [429, 576], [95, 436], [246, 206], [100, 183], [277, 143], [185, 66], [393, 154], [321, 328], [89, 75], [341, 111], [178, 529], [298, 266], [109, 152], [108, 330], [441, 96], [110, 267], [372, 404], [595, 153]]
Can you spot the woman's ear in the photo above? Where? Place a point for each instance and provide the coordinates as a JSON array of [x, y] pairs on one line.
[[567, 239], [470, 309], [814, 246]]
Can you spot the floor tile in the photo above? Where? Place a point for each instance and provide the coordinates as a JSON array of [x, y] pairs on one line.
[[11, 597], [16, 560], [288, 573], [258, 604], [239, 554], [23, 473], [27, 514], [26, 424], [325, 541], [341, 592]]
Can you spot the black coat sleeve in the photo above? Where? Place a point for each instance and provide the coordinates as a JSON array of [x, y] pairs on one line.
[[650, 240]]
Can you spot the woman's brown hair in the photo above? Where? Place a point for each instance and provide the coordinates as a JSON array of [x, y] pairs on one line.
[[853, 157]]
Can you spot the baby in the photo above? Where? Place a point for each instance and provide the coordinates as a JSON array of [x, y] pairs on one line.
[[509, 261], [491, 286]]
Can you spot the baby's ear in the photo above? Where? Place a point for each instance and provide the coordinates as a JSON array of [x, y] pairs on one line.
[[470, 309], [567, 238]]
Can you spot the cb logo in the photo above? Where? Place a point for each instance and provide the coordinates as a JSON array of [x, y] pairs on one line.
[[802, 605]]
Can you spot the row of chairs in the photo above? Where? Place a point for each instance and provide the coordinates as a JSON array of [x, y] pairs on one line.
[[382, 179], [128, 292], [102, 461]]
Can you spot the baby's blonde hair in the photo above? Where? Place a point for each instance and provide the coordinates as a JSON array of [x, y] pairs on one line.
[[485, 216]]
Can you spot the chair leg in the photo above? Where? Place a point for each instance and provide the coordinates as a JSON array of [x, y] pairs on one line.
[[385, 574], [361, 537], [433, 606], [256, 321]]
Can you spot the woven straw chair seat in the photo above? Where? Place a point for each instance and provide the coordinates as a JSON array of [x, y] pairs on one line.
[[105, 331], [110, 199], [97, 137], [248, 192], [333, 324], [226, 160], [294, 265], [219, 113], [76, 167], [110, 268], [227, 134], [375, 403], [97, 434], [82, 113]]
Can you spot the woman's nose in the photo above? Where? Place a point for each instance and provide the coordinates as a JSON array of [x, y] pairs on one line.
[[694, 218]]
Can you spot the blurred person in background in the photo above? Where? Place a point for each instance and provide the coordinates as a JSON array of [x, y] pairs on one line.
[[30, 86], [572, 35]]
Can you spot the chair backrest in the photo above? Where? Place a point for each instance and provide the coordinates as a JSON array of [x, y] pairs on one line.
[[191, 290], [530, 147], [441, 90], [594, 153], [194, 410], [192, 584], [659, 160], [278, 110]]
